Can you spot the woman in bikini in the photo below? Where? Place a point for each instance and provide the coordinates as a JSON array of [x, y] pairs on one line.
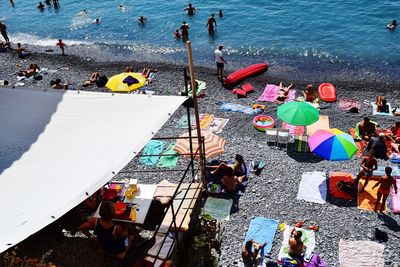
[[283, 93], [32, 69], [384, 184]]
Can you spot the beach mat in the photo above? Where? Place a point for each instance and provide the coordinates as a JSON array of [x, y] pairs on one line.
[[217, 125], [374, 112], [367, 198], [360, 254], [238, 108], [313, 187], [346, 104], [169, 161], [334, 178], [300, 144], [153, 147], [271, 92], [293, 129], [201, 87], [308, 238], [262, 230], [395, 200], [205, 120], [218, 208], [322, 123]]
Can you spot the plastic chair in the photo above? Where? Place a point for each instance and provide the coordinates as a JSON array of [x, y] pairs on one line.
[[283, 137], [272, 136]]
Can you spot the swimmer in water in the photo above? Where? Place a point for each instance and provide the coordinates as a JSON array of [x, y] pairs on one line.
[[177, 34], [210, 24], [185, 30], [220, 13], [392, 26], [96, 21], [83, 12], [142, 19], [190, 9], [40, 6]]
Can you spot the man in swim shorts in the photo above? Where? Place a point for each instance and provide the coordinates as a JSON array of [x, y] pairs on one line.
[[3, 31], [210, 24], [368, 165], [219, 60], [384, 184], [190, 9], [185, 30]]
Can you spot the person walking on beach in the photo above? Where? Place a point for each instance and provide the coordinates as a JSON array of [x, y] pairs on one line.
[[384, 184], [219, 60], [62, 46], [185, 31], [368, 165], [190, 9], [3, 31], [210, 24]]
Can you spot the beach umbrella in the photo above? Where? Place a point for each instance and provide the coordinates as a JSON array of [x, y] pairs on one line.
[[126, 82], [298, 113], [332, 144], [214, 145]]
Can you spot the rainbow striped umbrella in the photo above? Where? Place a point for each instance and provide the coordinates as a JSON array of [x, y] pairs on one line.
[[214, 145], [332, 144]]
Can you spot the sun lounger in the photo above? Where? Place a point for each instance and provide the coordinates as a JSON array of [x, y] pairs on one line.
[[271, 92], [218, 208], [374, 112], [322, 123], [308, 238], [334, 178], [262, 230], [313, 187], [367, 198], [360, 254]]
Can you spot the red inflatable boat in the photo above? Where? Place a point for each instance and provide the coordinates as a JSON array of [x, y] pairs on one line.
[[327, 92], [242, 74]]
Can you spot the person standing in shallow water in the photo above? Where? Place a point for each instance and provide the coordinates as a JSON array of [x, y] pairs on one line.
[[210, 24], [185, 31], [3, 31], [219, 60], [190, 9]]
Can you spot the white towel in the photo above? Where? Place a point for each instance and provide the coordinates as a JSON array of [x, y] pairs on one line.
[[360, 254], [313, 187], [308, 237]]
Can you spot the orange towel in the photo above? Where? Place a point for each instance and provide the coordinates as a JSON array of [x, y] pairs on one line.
[[360, 144], [336, 177], [367, 199], [322, 123]]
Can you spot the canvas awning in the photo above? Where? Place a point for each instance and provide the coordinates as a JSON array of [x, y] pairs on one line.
[[58, 147]]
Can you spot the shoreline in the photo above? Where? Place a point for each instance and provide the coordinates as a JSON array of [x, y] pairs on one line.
[[272, 194]]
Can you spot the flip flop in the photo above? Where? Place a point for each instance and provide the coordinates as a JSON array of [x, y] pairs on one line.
[[313, 227], [299, 224]]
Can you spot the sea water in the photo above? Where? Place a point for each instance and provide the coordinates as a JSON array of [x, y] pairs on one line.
[[344, 39]]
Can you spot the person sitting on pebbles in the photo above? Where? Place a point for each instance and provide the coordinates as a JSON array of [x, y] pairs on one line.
[[58, 85], [21, 52], [283, 93], [31, 71], [366, 129], [309, 94], [251, 255], [296, 245], [92, 80]]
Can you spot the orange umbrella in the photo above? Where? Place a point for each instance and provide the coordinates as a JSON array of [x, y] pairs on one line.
[[214, 145]]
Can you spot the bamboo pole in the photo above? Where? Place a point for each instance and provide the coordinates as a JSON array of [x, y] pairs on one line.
[[196, 106]]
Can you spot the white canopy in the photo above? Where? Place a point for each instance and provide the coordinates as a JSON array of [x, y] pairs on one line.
[[58, 147]]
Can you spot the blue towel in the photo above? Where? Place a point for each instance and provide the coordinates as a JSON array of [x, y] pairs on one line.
[[262, 230], [153, 147], [238, 108]]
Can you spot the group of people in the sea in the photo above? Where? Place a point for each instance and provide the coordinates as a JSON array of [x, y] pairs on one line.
[[42, 6]]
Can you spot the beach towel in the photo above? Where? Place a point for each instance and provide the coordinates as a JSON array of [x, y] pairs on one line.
[[183, 122], [217, 125], [360, 254], [334, 178], [271, 92], [293, 129], [380, 171], [374, 112], [165, 252], [165, 191], [367, 198], [218, 208], [205, 120], [153, 147], [308, 238], [347, 104], [395, 202], [361, 144], [262, 230], [238, 108], [201, 86], [312, 187], [170, 160], [322, 123], [301, 144]]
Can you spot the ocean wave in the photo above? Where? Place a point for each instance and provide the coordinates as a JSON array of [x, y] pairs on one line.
[[26, 38]]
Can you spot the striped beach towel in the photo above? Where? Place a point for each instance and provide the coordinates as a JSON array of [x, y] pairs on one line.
[[300, 144]]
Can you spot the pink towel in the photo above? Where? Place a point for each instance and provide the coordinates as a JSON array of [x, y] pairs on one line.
[[271, 92], [293, 130], [347, 103], [396, 198]]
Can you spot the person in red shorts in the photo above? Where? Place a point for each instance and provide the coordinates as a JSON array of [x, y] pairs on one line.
[[384, 184]]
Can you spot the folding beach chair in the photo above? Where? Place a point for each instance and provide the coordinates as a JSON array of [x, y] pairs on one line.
[[283, 137], [272, 136]]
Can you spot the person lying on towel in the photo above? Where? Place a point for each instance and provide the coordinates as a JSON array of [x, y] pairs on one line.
[[367, 129], [296, 246], [283, 93], [230, 181], [250, 253], [239, 167]]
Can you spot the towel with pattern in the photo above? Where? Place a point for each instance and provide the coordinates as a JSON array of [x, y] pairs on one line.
[[271, 93], [360, 254]]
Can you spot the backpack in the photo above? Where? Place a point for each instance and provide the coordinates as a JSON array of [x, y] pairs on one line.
[[102, 81]]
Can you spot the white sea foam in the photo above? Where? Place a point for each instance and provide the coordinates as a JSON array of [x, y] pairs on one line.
[[25, 38]]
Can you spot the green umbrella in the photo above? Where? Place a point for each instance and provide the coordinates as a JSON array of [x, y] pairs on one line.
[[298, 113]]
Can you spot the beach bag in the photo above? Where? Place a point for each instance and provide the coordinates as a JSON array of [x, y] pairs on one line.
[[353, 110], [102, 81]]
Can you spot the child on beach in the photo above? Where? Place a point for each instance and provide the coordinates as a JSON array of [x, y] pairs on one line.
[[61, 45], [384, 184], [368, 165]]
